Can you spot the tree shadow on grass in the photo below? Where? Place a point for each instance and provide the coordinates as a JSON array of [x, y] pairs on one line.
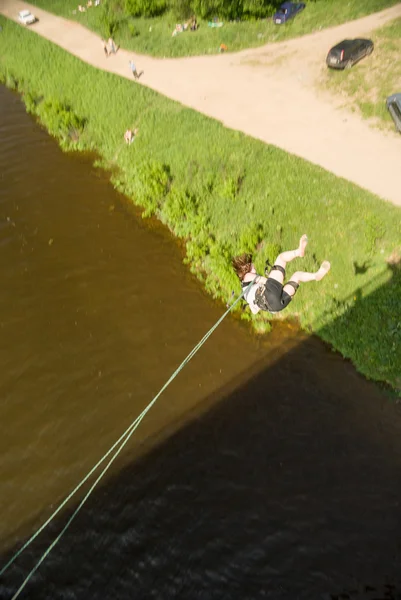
[[287, 488]]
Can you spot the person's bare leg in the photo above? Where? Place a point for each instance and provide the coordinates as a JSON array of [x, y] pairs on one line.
[[324, 269], [288, 256], [304, 277]]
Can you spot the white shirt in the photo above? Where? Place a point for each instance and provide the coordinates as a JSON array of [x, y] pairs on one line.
[[250, 296]]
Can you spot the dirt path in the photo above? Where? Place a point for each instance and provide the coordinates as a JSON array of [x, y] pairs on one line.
[[268, 93]]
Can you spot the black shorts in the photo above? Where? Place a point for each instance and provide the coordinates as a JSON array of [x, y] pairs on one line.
[[277, 298]]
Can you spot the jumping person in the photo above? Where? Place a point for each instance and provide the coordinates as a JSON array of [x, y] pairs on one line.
[[270, 293]]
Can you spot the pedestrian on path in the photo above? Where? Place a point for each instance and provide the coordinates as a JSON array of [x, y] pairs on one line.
[[105, 48], [134, 71], [112, 47]]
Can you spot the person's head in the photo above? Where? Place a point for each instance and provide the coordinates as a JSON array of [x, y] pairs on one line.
[[242, 265]]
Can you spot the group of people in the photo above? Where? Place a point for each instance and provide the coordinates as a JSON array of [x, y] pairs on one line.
[[270, 293], [109, 47], [192, 25], [88, 5]]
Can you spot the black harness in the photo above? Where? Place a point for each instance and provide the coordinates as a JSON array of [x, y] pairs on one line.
[[260, 296]]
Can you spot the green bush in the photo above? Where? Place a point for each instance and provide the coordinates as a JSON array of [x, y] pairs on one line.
[[108, 20], [258, 8], [222, 279], [179, 211], [233, 9], [60, 120], [374, 232], [151, 184], [133, 30], [181, 9], [229, 188], [145, 8], [251, 237], [10, 81], [271, 252], [196, 252], [31, 101]]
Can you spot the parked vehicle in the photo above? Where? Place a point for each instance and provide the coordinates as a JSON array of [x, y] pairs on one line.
[[26, 18], [287, 11], [394, 106], [348, 52]]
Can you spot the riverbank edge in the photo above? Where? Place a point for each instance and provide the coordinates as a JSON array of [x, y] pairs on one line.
[[203, 270]]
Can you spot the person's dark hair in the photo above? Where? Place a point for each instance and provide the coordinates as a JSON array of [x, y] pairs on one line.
[[242, 265]]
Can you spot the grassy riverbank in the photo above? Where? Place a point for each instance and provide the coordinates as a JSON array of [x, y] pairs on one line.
[[225, 193], [369, 83], [153, 35]]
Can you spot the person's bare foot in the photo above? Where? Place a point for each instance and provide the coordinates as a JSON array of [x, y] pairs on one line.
[[302, 245], [324, 269]]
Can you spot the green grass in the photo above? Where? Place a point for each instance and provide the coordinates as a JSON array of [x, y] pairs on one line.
[[153, 36], [367, 85], [224, 193]]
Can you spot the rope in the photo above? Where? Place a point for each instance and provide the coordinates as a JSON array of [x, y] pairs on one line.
[[123, 440]]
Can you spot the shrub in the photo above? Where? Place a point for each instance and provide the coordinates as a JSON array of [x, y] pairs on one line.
[[197, 250], [271, 252], [10, 81], [207, 8], [258, 8], [251, 238], [181, 9], [233, 9], [133, 30], [150, 185], [108, 20], [221, 279], [180, 211], [60, 120], [31, 101], [145, 8], [374, 232]]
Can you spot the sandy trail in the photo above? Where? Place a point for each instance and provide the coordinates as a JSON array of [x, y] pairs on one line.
[[268, 93]]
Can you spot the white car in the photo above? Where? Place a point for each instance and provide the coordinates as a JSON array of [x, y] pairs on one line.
[[26, 18]]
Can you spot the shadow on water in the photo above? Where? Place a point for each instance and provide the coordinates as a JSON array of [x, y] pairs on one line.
[[288, 488]]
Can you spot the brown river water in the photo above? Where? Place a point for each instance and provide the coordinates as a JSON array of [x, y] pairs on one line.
[[268, 469]]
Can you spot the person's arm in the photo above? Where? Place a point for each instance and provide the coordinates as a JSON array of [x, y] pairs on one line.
[[259, 279], [255, 309]]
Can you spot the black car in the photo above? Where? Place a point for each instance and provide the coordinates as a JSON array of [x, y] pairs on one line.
[[394, 106], [348, 52]]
